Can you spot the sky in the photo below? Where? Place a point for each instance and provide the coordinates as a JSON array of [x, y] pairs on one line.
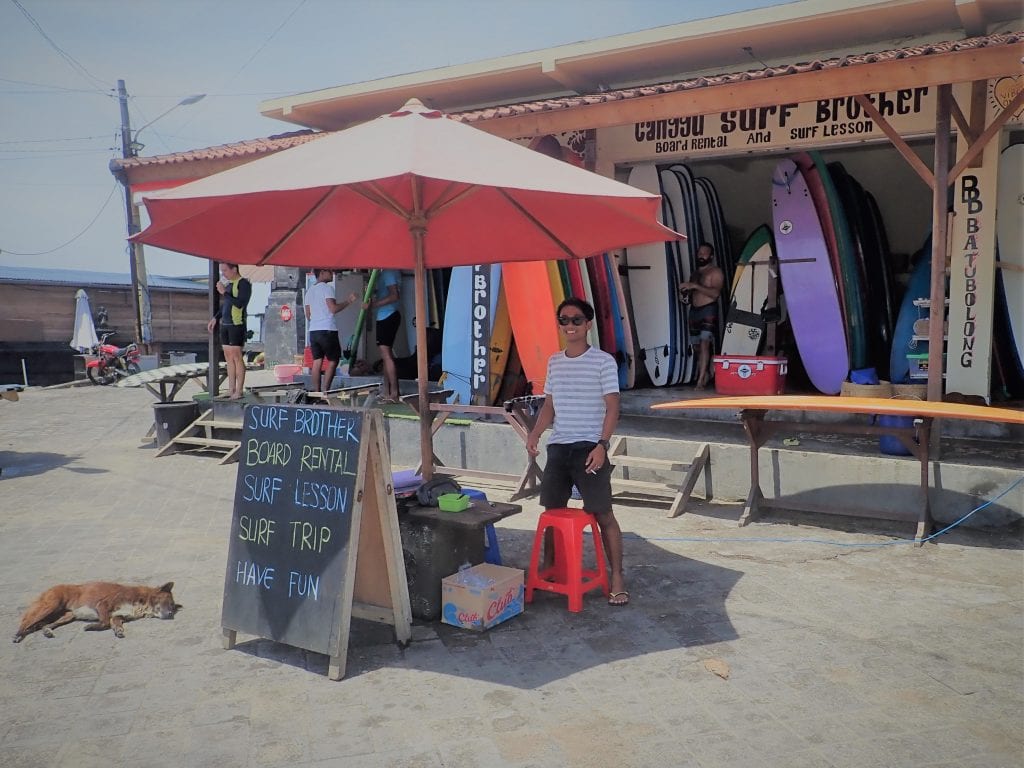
[[60, 60]]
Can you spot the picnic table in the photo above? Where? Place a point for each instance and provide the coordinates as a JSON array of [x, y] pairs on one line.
[[754, 409], [165, 383]]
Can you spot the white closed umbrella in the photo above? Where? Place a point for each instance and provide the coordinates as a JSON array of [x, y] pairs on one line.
[[84, 338]]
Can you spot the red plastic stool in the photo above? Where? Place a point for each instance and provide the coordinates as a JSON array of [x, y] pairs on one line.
[[567, 576]]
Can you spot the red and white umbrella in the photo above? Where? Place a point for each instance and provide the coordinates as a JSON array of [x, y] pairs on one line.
[[413, 189]]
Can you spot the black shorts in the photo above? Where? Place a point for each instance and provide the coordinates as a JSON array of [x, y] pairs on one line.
[[325, 344], [567, 466], [387, 329], [232, 335], [703, 322]]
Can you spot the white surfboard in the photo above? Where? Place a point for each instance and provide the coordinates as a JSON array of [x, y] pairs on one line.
[[650, 288], [1010, 232]]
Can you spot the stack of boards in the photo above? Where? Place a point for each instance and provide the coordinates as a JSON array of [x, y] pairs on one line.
[[691, 207], [834, 268], [524, 332], [840, 297]]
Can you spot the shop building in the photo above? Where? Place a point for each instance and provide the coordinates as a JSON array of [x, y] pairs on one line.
[[917, 100]]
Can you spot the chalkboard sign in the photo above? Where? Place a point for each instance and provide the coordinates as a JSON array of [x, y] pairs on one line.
[[301, 502]]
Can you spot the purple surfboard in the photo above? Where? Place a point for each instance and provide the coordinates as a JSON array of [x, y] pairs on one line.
[[808, 281]]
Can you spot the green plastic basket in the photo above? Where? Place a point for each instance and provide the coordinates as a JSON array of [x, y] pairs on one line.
[[453, 502]]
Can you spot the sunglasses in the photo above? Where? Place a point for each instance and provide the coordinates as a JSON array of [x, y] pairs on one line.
[[573, 319]]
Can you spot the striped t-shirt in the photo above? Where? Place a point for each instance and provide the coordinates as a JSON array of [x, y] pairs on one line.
[[577, 387]]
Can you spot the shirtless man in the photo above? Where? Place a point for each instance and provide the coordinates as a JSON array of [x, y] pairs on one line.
[[703, 293]]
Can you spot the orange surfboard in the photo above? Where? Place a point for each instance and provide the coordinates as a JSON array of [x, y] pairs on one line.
[[531, 310], [877, 405]]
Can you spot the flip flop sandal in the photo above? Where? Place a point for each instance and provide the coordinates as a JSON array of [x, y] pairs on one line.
[[616, 599]]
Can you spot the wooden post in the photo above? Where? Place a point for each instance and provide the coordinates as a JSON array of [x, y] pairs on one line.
[[418, 228], [937, 310], [213, 345]]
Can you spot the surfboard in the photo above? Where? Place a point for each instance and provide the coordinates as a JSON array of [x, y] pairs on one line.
[[501, 344], [806, 273], [723, 244], [903, 342], [674, 215], [455, 348], [1010, 235], [622, 325], [652, 292], [879, 405], [597, 272], [744, 325], [853, 287], [817, 188], [706, 198], [593, 335], [868, 266], [531, 309], [351, 348]]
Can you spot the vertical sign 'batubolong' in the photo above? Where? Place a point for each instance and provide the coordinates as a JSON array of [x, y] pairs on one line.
[[290, 530]]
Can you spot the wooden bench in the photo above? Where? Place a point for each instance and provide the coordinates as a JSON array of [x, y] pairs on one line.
[[753, 410]]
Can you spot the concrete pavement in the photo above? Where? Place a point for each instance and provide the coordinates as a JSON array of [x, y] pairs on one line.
[[838, 655]]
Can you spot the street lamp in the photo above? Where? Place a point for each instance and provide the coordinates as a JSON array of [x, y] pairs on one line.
[[135, 147], [130, 147]]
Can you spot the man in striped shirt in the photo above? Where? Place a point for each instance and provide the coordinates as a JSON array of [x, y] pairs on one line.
[[582, 388]]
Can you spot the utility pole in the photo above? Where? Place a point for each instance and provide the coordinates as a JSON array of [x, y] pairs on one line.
[[137, 261]]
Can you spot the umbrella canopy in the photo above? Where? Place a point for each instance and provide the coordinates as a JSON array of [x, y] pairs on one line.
[[412, 189], [84, 337]]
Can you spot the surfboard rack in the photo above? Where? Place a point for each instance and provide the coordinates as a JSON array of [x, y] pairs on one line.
[[679, 493]]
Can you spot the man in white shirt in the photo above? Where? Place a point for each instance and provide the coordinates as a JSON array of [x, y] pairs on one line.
[[321, 307], [582, 388]]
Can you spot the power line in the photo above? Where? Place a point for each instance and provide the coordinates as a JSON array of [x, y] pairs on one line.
[[71, 60], [50, 141], [253, 56], [105, 92], [69, 242]]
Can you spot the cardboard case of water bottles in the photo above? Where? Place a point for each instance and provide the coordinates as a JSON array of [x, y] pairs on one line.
[[477, 598], [736, 375]]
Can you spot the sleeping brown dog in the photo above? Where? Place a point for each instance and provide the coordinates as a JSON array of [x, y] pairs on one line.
[[105, 604]]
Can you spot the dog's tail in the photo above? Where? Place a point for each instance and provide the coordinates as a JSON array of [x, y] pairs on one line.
[[41, 609]]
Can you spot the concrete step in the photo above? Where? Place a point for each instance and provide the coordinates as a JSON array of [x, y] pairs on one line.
[[206, 442]]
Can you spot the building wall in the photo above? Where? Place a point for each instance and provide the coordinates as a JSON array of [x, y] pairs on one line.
[[46, 313]]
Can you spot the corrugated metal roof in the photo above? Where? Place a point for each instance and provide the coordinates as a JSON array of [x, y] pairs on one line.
[[81, 278]]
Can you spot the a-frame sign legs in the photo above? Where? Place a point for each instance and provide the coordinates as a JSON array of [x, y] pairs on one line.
[[375, 584]]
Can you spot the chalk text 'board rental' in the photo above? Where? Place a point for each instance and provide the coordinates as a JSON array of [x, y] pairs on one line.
[[312, 497]]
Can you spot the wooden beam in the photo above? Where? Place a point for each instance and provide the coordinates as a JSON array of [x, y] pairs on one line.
[[891, 75], [961, 122], [979, 111], [978, 146], [897, 141]]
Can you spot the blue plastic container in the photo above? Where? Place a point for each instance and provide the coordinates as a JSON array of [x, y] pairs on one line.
[[889, 444], [492, 554]]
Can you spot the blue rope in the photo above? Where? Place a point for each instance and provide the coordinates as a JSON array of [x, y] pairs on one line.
[[717, 539]]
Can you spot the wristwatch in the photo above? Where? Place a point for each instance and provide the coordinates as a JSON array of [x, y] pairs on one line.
[[604, 443]]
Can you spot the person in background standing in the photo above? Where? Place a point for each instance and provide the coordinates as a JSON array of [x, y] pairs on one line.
[[703, 292], [388, 319], [321, 307], [582, 403], [235, 293]]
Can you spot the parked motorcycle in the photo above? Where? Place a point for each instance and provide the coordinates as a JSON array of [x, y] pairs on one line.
[[111, 362]]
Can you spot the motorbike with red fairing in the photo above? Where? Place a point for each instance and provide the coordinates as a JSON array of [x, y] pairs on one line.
[[110, 362]]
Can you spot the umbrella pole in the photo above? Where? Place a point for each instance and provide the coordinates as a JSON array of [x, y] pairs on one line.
[[418, 229]]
